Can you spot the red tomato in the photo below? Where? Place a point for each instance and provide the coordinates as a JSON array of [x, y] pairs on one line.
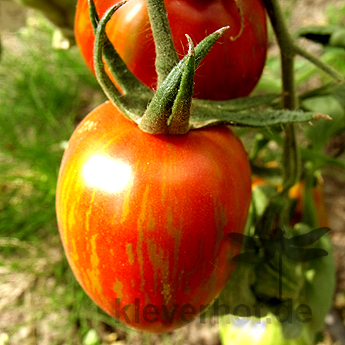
[[231, 69], [144, 218]]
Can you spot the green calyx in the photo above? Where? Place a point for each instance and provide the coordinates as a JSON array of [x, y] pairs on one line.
[[166, 55], [171, 109]]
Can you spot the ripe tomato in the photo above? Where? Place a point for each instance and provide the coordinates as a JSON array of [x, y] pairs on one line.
[[144, 218], [231, 69]]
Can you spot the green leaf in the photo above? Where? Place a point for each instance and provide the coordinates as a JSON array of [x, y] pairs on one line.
[[261, 196], [237, 104], [320, 160], [338, 39], [202, 116], [326, 35], [321, 91], [320, 280], [319, 34], [320, 132], [112, 92]]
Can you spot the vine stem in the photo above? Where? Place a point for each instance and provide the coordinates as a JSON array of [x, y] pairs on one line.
[[338, 77], [288, 50], [291, 156]]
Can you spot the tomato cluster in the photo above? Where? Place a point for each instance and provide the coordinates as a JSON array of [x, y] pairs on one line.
[[144, 218], [231, 69]]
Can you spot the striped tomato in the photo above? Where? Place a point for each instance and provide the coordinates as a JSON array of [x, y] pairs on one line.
[[231, 69], [144, 218]]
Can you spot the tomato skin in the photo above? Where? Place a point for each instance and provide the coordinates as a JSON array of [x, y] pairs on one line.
[[231, 69], [145, 218]]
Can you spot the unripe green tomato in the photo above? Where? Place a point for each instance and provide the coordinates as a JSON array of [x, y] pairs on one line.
[[253, 331]]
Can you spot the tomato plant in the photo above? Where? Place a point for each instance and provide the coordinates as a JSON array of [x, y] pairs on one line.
[[297, 192], [145, 211], [231, 69], [144, 218]]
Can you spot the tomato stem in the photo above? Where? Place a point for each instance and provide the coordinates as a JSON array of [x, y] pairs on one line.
[[166, 55], [156, 118], [287, 42], [169, 110], [289, 48], [291, 157], [333, 73]]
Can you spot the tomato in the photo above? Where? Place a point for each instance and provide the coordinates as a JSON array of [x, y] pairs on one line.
[[231, 69], [144, 218], [265, 331]]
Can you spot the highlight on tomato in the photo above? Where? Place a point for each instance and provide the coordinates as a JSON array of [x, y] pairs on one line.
[[144, 218], [230, 70]]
